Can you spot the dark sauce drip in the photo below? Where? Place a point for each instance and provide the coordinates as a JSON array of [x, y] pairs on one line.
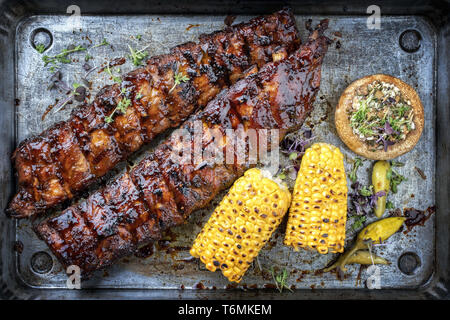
[[416, 217], [200, 286]]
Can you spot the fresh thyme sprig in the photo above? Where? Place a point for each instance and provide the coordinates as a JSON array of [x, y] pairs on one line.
[[122, 106], [62, 56], [280, 279], [138, 56], [178, 78], [115, 78], [40, 47], [139, 95], [103, 43]]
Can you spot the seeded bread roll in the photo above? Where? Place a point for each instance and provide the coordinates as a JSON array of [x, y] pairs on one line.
[[360, 147]]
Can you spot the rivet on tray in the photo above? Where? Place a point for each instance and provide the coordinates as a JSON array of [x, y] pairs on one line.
[[41, 36], [41, 262], [408, 263], [410, 40]]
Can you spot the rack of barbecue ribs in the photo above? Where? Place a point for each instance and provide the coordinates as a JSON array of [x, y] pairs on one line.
[[69, 156], [159, 193]]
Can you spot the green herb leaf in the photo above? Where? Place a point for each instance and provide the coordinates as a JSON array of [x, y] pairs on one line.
[[282, 176], [366, 191], [178, 78], [293, 156], [40, 47], [114, 77], [389, 205], [397, 164], [280, 279], [138, 37], [358, 222], [61, 57], [103, 43], [109, 119], [122, 106], [356, 165], [395, 179], [137, 56]]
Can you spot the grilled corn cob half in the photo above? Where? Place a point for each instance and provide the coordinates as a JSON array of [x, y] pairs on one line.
[[242, 223], [318, 211]]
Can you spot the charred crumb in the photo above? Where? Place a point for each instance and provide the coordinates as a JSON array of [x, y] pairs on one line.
[[200, 286], [18, 246], [231, 286], [229, 20], [308, 24], [421, 173], [270, 286], [396, 213], [190, 26], [338, 45]]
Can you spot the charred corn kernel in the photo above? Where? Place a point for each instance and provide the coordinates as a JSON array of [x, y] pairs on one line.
[[318, 210], [242, 223]]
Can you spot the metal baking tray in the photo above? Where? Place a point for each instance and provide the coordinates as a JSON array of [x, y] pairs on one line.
[[29, 270]]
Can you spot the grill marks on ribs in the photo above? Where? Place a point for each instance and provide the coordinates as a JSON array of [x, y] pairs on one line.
[[158, 193], [66, 158]]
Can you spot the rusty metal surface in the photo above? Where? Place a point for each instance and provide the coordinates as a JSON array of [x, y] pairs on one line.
[[359, 52]]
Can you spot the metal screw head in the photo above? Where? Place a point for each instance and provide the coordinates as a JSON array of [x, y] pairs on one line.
[[408, 263], [410, 40], [41, 36], [41, 262]]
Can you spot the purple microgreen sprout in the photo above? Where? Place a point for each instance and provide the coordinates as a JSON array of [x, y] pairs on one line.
[[295, 145], [374, 197], [78, 92]]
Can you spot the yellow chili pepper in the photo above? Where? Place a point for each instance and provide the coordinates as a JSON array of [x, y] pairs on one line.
[[375, 233], [380, 182], [359, 257]]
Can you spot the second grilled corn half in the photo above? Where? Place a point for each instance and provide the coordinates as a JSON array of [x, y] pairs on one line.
[[318, 210], [242, 224]]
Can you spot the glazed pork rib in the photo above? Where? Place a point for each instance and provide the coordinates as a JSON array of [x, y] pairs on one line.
[[70, 155], [159, 193]]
